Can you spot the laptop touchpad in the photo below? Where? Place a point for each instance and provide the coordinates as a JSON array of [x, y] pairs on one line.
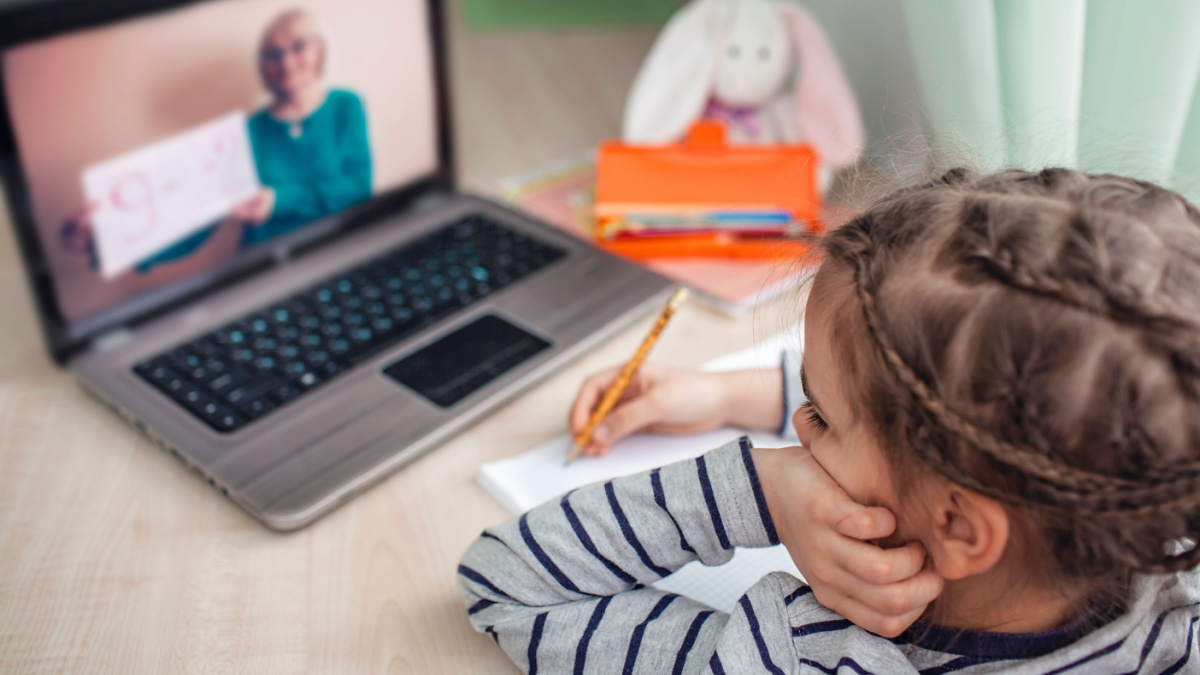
[[461, 362]]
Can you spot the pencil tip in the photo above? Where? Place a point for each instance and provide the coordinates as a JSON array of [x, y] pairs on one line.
[[573, 454]]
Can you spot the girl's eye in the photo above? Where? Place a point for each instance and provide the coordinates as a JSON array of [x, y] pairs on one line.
[[733, 51], [764, 54], [813, 417]]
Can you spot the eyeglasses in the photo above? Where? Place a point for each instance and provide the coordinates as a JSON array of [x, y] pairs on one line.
[[275, 54]]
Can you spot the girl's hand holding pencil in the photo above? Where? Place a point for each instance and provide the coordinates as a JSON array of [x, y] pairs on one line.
[[616, 390], [658, 400]]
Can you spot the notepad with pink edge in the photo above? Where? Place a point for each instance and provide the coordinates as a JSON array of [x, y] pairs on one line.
[[525, 481]]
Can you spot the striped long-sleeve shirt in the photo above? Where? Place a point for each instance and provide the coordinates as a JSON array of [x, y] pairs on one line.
[[563, 589]]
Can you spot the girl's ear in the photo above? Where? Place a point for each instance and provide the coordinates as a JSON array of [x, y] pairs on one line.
[[674, 84], [970, 533], [822, 100]]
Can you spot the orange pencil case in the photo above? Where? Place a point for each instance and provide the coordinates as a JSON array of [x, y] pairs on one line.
[[705, 198]]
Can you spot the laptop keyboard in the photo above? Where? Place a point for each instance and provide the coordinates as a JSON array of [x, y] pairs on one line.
[[253, 366]]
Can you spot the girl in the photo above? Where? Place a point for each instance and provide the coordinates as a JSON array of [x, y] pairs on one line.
[[1010, 364]]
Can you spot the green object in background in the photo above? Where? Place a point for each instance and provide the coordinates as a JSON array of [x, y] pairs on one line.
[[954, 50], [1040, 46], [1140, 74], [489, 14], [1187, 162], [1100, 85]]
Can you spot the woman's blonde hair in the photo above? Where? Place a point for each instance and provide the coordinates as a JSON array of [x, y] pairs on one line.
[[288, 19]]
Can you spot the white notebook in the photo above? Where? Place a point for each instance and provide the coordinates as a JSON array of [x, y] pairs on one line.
[[525, 481]]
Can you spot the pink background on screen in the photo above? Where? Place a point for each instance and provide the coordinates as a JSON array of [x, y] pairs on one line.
[[82, 98]]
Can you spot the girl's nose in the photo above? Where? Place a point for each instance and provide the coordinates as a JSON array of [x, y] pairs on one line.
[[802, 430]]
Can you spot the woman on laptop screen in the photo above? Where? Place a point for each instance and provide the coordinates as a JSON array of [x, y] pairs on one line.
[[309, 144], [161, 148]]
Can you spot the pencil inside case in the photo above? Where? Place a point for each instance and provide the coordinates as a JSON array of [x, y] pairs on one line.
[[724, 246], [659, 223]]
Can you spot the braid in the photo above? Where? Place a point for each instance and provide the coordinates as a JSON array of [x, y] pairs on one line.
[[1134, 517], [1114, 307], [1114, 301], [1106, 496], [1030, 461]]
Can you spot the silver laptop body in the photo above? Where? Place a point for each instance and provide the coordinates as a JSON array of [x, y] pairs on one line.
[[297, 463], [289, 467]]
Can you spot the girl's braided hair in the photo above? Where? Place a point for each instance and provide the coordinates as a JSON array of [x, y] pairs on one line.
[[1036, 337]]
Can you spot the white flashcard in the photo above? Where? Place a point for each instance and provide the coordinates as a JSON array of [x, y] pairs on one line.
[[152, 197]]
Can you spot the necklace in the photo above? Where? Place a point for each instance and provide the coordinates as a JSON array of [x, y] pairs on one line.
[[296, 129]]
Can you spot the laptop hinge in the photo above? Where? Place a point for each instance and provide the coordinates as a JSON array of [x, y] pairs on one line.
[[112, 339], [430, 201]]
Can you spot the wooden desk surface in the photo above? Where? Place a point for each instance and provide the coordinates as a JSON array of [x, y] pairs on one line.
[[114, 558]]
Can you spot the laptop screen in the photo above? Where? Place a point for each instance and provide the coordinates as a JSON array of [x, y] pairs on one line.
[[160, 150]]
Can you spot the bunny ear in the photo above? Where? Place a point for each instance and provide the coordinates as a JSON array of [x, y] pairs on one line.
[[673, 86], [824, 104]]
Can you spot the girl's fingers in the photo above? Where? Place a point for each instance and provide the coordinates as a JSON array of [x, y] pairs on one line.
[[625, 419], [587, 399], [854, 520], [899, 599], [878, 566], [902, 598], [868, 618]]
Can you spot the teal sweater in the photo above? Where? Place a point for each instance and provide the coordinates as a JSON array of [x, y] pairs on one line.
[[326, 169]]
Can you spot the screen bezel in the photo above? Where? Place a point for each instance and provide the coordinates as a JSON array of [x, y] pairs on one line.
[[33, 20]]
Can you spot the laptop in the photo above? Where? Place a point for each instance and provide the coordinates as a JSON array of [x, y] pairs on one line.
[[239, 222]]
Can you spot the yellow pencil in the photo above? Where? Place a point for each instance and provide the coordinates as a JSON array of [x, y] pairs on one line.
[[619, 386]]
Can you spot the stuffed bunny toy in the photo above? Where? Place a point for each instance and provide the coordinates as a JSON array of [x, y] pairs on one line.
[[764, 66]]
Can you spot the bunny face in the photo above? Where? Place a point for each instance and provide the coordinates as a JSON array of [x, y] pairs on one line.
[[766, 58], [755, 62]]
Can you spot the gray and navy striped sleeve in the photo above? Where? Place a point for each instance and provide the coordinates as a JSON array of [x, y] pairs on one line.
[[563, 588]]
